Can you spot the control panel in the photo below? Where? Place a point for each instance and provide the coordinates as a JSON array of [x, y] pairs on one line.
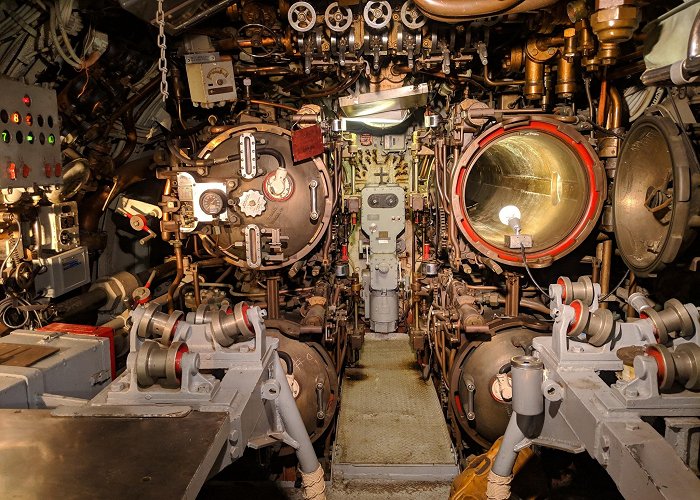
[[30, 150]]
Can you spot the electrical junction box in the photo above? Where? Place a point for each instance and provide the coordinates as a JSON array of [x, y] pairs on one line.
[[30, 149], [210, 79], [64, 272], [58, 224], [34, 364]]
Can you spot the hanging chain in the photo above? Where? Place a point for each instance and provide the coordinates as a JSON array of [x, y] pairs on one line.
[[162, 62]]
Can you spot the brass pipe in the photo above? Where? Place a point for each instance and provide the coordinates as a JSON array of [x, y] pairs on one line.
[[614, 116], [602, 103], [246, 43], [512, 294], [177, 246], [605, 266], [499, 83], [273, 297], [195, 284], [266, 71], [274, 105], [456, 11], [631, 313]]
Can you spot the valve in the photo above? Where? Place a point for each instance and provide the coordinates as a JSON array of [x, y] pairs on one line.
[[137, 211]]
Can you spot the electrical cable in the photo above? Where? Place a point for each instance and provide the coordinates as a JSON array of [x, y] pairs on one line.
[[604, 297], [527, 268]]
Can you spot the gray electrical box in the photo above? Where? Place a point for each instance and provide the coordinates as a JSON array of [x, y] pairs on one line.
[[58, 224], [77, 366], [64, 272], [210, 79]]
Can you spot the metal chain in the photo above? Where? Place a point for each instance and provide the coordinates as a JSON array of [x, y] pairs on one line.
[[162, 62]]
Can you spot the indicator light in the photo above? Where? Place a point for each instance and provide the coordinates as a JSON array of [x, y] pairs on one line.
[[5, 136], [29, 119], [27, 100], [12, 171], [4, 116], [51, 139], [16, 118], [30, 138]]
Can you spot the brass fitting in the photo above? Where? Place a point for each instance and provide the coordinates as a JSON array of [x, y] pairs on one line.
[[534, 79], [569, 51], [566, 78], [615, 24]]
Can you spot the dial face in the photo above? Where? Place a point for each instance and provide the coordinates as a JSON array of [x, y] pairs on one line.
[[212, 202]]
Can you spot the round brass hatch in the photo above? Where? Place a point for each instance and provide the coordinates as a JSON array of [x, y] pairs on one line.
[[544, 168], [653, 196]]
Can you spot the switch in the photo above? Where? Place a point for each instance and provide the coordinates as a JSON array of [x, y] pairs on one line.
[[47, 169], [25, 171], [12, 171], [58, 170]]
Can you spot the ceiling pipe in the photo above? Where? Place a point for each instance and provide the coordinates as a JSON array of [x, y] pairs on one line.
[[457, 11]]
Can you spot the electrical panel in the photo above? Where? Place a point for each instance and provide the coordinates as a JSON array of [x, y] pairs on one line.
[[30, 151]]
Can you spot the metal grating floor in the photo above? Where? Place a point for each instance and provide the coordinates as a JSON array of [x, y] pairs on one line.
[[391, 426]]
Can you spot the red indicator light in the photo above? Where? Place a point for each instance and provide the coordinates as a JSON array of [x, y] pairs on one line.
[[29, 120], [16, 118], [25, 171], [12, 171], [58, 169], [27, 100], [47, 169]]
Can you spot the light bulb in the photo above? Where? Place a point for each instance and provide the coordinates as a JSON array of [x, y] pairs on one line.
[[507, 213]]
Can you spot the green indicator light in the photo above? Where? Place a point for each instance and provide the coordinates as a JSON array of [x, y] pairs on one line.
[[30, 138], [5, 136], [51, 139]]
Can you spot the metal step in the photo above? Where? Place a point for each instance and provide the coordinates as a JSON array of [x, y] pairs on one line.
[[391, 426]]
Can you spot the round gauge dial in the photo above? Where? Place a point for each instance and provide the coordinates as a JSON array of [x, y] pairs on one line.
[[213, 202]]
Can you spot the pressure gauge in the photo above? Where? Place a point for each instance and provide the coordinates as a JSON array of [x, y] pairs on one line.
[[213, 202]]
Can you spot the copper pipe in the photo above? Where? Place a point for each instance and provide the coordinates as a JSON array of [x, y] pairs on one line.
[[274, 105], [455, 11], [631, 313], [602, 102], [90, 210], [499, 83], [218, 129], [606, 249], [512, 294], [246, 43], [130, 144], [531, 304], [177, 245], [266, 71], [92, 132], [453, 355], [534, 305], [195, 284], [273, 297], [614, 119]]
